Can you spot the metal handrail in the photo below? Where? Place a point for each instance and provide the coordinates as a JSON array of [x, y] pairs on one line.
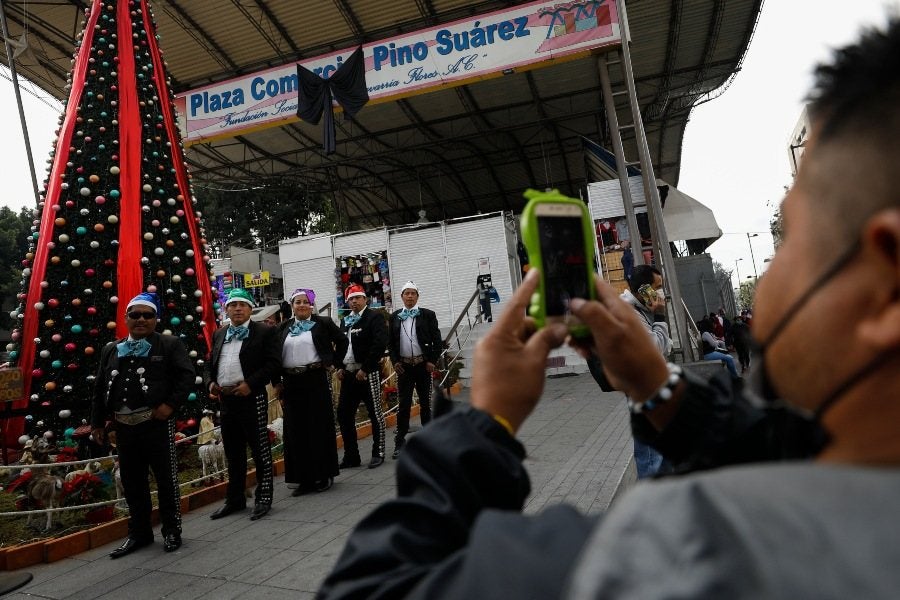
[[465, 311], [324, 308]]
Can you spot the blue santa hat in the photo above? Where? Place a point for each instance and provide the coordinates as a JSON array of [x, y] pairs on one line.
[[148, 299]]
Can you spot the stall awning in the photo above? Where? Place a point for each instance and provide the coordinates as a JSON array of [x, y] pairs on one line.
[[689, 220]]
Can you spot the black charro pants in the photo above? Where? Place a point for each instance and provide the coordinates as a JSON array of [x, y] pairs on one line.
[[369, 392], [244, 420], [145, 447], [418, 377]]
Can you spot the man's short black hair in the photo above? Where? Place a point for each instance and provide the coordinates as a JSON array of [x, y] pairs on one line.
[[642, 274], [861, 87]]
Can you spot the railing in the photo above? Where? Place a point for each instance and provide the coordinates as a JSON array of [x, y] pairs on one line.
[[693, 335], [460, 337], [325, 308]]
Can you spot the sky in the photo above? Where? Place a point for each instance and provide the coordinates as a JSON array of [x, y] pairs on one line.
[[735, 156], [735, 151]]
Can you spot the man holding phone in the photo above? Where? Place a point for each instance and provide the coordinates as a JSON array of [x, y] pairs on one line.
[[802, 504], [645, 295]]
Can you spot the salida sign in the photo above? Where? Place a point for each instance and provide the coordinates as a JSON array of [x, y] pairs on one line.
[[452, 54]]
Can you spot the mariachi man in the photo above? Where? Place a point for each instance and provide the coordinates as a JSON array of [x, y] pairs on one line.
[[361, 376], [142, 381], [245, 357], [415, 347]]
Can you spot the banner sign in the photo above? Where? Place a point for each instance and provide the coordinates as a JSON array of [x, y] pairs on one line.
[[252, 280], [479, 47]]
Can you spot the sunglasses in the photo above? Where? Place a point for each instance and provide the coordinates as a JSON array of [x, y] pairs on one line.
[[141, 315]]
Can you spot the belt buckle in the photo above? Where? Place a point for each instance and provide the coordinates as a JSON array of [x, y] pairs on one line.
[[227, 390], [134, 418]]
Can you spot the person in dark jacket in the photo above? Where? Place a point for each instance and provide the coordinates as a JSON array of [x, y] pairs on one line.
[[142, 380], [415, 348], [245, 357], [310, 345], [822, 430], [742, 340], [360, 376]]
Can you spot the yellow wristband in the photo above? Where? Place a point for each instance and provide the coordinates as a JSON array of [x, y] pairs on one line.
[[506, 424]]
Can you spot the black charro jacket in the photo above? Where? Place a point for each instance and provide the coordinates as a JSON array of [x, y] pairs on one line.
[[427, 332], [330, 342], [169, 376], [369, 338], [260, 355]]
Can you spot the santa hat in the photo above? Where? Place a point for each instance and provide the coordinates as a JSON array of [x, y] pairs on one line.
[[310, 295], [409, 285], [240, 295], [148, 299], [354, 290]]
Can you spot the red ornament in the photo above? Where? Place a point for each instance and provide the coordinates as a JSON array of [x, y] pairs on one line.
[[37, 373], [71, 347]]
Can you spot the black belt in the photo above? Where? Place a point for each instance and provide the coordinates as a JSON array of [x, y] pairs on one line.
[[303, 368], [412, 360]]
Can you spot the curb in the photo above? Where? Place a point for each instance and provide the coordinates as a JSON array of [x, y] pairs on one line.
[[54, 549]]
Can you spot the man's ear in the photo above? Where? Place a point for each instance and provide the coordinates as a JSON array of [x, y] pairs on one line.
[[881, 245]]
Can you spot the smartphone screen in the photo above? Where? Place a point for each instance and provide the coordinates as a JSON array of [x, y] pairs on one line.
[[564, 261]]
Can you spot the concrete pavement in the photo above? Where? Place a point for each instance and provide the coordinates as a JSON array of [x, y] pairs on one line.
[[579, 451]]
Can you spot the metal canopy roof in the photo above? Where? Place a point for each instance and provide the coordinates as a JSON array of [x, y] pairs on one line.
[[453, 152]]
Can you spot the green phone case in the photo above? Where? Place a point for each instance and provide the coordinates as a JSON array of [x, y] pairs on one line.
[[530, 237]]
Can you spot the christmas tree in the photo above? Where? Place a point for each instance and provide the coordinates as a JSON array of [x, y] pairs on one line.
[[117, 217]]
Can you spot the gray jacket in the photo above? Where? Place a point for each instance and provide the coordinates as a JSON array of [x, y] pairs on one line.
[[658, 330]]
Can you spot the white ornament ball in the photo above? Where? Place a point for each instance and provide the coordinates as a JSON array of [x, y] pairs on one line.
[[24, 439], [158, 251], [148, 236], [112, 219], [65, 413]]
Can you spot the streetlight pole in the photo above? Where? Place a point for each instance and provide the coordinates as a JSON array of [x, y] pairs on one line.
[[755, 274], [738, 271]]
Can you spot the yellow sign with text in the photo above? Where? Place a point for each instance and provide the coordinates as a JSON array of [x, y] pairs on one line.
[[260, 279], [12, 384]]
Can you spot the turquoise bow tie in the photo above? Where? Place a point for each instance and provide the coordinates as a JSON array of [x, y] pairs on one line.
[[298, 327], [407, 313], [236, 332], [133, 348], [351, 319]]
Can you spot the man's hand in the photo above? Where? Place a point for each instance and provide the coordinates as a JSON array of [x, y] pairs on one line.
[[629, 357], [340, 374], [430, 367], [361, 375], [658, 306], [162, 412], [214, 390], [508, 371], [98, 434], [242, 389], [399, 368]]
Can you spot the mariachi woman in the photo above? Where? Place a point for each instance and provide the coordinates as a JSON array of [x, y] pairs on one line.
[[310, 346]]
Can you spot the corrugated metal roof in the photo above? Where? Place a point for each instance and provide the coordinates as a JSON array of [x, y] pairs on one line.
[[454, 151]]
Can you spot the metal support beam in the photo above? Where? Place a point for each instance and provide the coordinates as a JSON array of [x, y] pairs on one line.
[[661, 237], [15, 82]]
